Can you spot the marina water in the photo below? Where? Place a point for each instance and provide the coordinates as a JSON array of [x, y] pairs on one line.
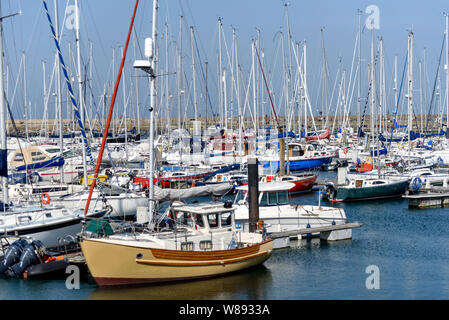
[[409, 248]]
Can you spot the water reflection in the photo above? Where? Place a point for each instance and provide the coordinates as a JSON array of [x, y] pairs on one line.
[[253, 283]]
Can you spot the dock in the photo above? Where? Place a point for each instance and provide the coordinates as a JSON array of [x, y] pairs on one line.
[[435, 197], [327, 233]]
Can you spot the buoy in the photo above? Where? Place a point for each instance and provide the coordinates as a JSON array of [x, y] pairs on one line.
[[45, 198]]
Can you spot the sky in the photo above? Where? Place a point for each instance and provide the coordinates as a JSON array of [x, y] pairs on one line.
[[104, 25]]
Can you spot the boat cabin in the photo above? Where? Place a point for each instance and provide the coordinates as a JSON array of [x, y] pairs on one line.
[[270, 194], [207, 217]]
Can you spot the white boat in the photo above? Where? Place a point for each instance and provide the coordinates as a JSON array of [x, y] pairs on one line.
[[278, 214], [122, 204], [49, 224]]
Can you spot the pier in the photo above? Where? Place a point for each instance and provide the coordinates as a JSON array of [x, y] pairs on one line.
[[326, 233]]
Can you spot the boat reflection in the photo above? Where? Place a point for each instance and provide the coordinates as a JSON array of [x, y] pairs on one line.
[[254, 283]]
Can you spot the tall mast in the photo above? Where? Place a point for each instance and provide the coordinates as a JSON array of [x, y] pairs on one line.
[[325, 106], [395, 89], [359, 72], [447, 70], [137, 86], [153, 107], [80, 86], [4, 146], [179, 74], [195, 100], [58, 94], [305, 86], [220, 75], [25, 102], [167, 97], [410, 86], [373, 91]]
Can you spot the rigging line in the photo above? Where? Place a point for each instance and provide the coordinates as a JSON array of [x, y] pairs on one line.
[[111, 109], [435, 83], [69, 86], [17, 133], [268, 90], [204, 77], [399, 98]]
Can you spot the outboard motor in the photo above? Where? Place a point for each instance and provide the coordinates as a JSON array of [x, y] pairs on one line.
[[31, 255], [12, 254]]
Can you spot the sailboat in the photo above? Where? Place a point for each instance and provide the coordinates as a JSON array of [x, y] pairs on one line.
[[41, 221], [201, 240]]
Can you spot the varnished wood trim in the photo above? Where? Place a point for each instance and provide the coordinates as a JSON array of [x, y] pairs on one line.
[[201, 263], [205, 255]]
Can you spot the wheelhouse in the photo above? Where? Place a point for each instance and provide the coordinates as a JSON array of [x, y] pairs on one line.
[[270, 194]]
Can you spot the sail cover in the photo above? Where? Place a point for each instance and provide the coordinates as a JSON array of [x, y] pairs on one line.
[[163, 195]]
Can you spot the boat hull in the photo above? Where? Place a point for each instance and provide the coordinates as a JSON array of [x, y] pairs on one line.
[[303, 185], [297, 165], [117, 264], [392, 190]]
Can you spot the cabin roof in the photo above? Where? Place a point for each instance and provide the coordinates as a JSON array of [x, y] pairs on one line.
[[270, 186]]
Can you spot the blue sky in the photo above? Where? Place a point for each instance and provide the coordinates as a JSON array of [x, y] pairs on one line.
[[105, 23]]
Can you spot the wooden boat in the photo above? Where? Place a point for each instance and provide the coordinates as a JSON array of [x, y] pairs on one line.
[[201, 241]]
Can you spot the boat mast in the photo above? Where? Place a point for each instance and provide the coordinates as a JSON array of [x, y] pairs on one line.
[[4, 146], [153, 108], [195, 100], [447, 71], [410, 88], [25, 102], [58, 93], [359, 72], [80, 85]]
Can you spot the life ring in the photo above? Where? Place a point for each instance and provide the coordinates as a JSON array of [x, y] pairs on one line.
[[345, 150], [45, 198]]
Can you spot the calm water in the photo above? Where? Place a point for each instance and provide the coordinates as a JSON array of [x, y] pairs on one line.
[[410, 248]]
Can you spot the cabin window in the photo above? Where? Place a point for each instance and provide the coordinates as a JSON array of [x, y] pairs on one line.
[[53, 150], [18, 157], [184, 218], [68, 154], [226, 219], [187, 246], [378, 182], [264, 200], [240, 196], [48, 214], [24, 219], [198, 220], [272, 197], [205, 245], [213, 220], [283, 197]]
